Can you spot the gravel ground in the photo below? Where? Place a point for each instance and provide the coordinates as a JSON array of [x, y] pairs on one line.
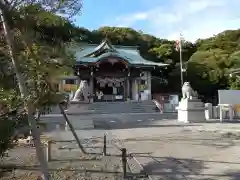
[[67, 163]]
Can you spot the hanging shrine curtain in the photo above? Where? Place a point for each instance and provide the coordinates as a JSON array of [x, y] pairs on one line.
[[109, 81]]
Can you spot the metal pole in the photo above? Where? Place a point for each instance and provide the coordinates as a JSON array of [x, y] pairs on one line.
[[72, 129], [124, 162], [105, 144], [49, 145], [181, 63]]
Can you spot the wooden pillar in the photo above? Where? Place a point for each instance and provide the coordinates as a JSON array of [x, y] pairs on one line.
[[125, 89], [60, 87], [128, 84], [91, 86], [91, 82], [78, 81], [128, 88]]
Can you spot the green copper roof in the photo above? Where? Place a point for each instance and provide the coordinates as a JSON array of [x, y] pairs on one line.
[[93, 53]]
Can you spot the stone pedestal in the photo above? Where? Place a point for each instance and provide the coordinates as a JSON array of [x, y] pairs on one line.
[[191, 110], [208, 111]]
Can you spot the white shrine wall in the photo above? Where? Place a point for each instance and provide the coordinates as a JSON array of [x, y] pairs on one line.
[[135, 89], [229, 96], [146, 94], [229, 102]]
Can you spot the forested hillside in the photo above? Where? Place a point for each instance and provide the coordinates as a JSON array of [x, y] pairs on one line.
[[207, 61]]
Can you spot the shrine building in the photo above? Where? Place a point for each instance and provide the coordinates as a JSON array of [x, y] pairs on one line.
[[118, 72]]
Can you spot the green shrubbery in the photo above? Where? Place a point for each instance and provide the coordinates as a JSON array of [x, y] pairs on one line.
[[10, 127], [6, 133]]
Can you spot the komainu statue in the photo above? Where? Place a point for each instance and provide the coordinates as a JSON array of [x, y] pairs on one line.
[[82, 92], [188, 92]]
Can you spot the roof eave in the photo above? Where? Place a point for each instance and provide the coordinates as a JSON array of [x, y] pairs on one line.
[[237, 70], [149, 66], [157, 64]]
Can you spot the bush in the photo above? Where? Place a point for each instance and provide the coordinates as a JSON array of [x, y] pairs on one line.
[[10, 123], [6, 133]]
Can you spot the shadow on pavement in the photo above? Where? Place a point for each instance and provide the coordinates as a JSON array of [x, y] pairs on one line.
[[194, 161], [170, 168], [233, 175]]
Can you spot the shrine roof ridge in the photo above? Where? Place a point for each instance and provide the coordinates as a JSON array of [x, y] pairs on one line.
[[114, 45], [92, 53]]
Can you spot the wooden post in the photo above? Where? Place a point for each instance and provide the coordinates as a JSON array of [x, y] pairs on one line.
[[46, 151], [124, 162], [230, 112], [49, 148], [220, 113], [105, 144]]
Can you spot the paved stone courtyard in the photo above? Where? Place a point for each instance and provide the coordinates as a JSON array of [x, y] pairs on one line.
[[188, 155], [168, 150]]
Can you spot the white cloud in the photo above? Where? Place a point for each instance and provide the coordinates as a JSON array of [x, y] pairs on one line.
[[127, 21], [194, 18]]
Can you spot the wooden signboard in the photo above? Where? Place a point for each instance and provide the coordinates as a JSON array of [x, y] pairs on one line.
[[70, 87], [236, 107]]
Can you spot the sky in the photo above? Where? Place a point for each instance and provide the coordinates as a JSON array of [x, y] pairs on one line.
[[194, 19]]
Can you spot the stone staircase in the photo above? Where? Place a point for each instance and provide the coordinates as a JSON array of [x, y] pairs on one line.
[[112, 107], [108, 115]]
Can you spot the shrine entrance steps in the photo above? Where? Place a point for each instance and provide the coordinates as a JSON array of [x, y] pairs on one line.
[[108, 115], [112, 107]]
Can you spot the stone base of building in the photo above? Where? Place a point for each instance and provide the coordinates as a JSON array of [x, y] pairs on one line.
[[191, 111]]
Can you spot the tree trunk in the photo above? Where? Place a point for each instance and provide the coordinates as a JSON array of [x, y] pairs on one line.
[[28, 105]]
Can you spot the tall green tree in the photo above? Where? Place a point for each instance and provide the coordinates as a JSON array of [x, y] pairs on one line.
[[207, 71], [27, 54]]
